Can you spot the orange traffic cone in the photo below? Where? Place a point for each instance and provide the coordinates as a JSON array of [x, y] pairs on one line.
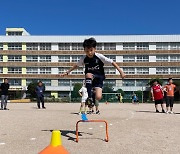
[[55, 146]]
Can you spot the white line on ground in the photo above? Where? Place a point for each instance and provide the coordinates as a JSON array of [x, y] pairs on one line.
[[32, 139], [100, 126], [2, 143], [110, 124], [90, 128]]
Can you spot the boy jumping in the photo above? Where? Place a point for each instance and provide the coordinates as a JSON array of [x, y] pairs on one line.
[[94, 69]]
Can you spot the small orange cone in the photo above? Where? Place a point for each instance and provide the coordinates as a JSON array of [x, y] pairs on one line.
[[55, 146]]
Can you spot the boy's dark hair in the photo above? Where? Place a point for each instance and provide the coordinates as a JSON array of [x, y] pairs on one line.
[[169, 79], [89, 43]]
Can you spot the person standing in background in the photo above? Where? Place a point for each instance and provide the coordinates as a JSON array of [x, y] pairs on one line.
[[170, 90], [4, 94], [40, 94]]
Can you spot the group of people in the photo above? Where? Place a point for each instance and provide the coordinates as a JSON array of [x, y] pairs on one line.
[[91, 91], [4, 89], [162, 95]]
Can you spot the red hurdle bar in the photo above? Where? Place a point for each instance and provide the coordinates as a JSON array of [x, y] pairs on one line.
[[77, 134]]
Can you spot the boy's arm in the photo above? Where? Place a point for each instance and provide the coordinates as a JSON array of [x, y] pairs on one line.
[[80, 63], [119, 69], [71, 69], [152, 94]]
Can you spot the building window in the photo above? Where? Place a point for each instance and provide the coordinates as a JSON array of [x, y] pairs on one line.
[[142, 46], [110, 82], [15, 70], [77, 46], [14, 46], [46, 82], [1, 58], [143, 70], [99, 46], [45, 70], [45, 58], [78, 71], [128, 46], [109, 46], [45, 46], [14, 58], [32, 58], [175, 46], [32, 46], [113, 57], [128, 58], [128, 83], [161, 46], [161, 58], [64, 58], [15, 82], [77, 81], [64, 82], [142, 58], [64, 46], [63, 70], [76, 58], [1, 70], [129, 70], [14, 33], [1, 46], [140, 83], [161, 70], [175, 70], [110, 70], [30, 70], [175, 58]]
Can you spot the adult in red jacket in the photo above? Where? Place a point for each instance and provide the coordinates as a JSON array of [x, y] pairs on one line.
[[157, 95]]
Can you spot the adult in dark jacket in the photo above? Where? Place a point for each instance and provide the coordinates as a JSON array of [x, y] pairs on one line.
[[4, 94], [40, 94]]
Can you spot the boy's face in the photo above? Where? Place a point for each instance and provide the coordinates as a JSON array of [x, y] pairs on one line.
[[40, 84], [90, 52], [171, 81], [155, 83], [6, 81]]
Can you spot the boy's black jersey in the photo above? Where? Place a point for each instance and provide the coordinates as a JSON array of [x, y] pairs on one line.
[[94, 65]]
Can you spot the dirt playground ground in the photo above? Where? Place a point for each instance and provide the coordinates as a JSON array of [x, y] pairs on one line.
[[133, 129]]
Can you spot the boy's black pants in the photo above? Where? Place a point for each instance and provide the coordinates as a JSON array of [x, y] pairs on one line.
[[40, 99]]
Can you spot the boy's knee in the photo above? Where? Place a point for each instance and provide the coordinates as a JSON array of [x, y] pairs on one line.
[[89, 75], [98, 97]]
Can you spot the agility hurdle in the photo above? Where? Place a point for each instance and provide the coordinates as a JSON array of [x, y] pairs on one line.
[[77, 133]]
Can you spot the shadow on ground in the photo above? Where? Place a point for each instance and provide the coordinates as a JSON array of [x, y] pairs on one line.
[[69, 134]]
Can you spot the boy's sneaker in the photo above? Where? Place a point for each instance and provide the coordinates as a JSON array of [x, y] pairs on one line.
[[171, 112], [6, 109], [98, 112], [79, 113], [157, 111], [163, 111], [1, 108], [43, 107], [167, 112]]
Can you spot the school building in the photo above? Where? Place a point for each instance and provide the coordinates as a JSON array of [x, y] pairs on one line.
[[25, 58]]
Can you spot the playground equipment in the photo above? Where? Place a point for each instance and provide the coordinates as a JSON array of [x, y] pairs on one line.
[[85, 120], [55, 146]]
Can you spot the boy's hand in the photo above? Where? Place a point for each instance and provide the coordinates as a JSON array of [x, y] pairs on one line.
[[123, 75]]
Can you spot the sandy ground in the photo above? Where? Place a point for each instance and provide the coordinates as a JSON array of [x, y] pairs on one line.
[[135, 129]]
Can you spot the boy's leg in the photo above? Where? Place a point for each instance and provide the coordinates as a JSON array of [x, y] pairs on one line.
[[42, 100], [167, 104], [89, 78], [5, 101], [2, 101], [156, 106], [81, 106], [171, 103], [38, 102]]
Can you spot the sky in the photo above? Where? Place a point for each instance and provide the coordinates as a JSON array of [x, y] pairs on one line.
[[91, 17]]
